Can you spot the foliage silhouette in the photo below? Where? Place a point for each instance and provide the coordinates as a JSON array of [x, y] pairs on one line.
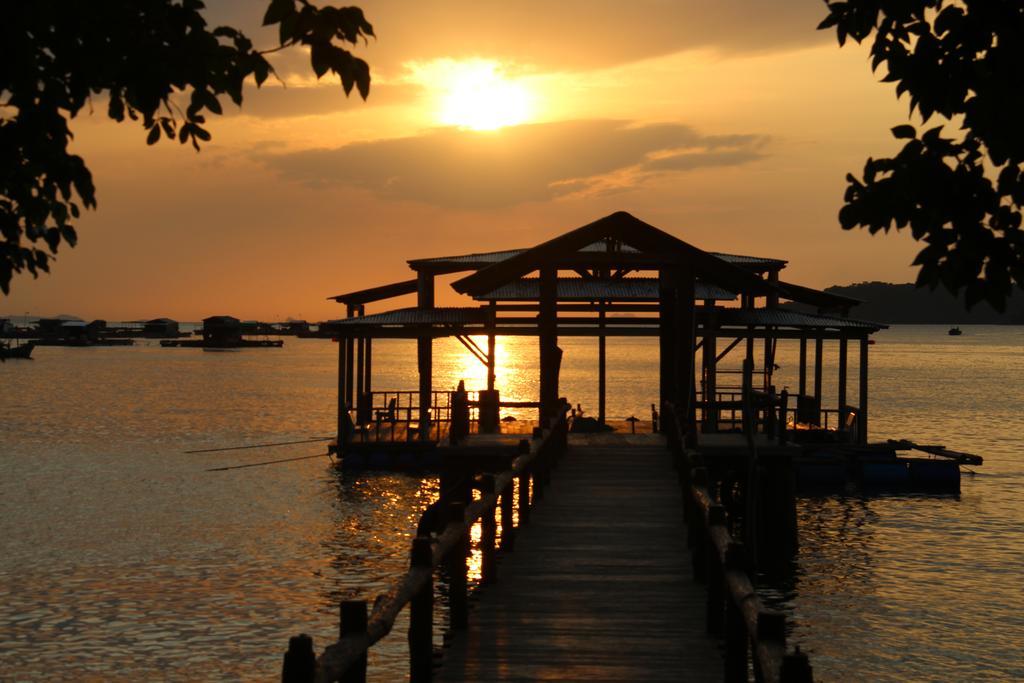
[[158, 63], [962, 195]]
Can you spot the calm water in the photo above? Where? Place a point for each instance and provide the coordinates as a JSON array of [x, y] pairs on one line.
[[123, 559]]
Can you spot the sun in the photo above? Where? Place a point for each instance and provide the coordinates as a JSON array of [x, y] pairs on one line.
[[476, 95]]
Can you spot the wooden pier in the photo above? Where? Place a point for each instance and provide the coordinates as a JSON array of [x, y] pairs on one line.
[[599, 586], [593, 552]]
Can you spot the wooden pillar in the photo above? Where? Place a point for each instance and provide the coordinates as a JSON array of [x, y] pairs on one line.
[[842, 383], [685, 344], [666, 337], [547, 334], [818, 348], [350, 365], [601, 364], [368, 382], [710, 365], [354, 620], [491, 345], [803, 364], [424, 354], [747, 301], [342, 405], [360, 368], [862, 417]]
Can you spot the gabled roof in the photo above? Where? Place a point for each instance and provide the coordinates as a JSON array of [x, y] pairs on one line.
[[476, 261], [651, 248]]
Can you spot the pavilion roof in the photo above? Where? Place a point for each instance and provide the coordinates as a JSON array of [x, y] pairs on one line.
[[650, 248], [477, 261]]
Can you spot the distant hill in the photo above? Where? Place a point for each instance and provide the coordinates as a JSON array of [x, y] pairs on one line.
[[885, 302]]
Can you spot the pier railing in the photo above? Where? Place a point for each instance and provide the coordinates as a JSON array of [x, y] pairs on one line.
[[442, 541], [754, 636]]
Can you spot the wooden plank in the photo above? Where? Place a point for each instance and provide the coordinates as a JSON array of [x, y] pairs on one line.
[[598, 587]]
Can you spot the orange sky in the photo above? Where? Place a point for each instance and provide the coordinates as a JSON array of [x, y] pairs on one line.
[[730, 124]]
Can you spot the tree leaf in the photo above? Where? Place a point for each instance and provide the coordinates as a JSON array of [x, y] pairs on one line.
[[904, 131]]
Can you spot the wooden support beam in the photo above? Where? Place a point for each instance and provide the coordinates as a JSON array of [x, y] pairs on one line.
[[368, 382], [424, 354], [342, 406], [686, 314], [547, 335], [601, 367], [666, 337], [803, 364], [818, 349], [491, 347], [862, 417], [842, 383], [710, 367]]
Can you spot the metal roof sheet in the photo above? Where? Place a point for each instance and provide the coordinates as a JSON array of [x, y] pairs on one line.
[[580, 289], [780, 317], [482, 259], [416, 316]]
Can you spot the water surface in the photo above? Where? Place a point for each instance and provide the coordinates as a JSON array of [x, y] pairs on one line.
[[124, 559]]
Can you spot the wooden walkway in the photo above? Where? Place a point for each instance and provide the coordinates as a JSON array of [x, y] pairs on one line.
[[600, 586]]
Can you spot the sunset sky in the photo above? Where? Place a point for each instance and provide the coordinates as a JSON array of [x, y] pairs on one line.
[[489, 125]]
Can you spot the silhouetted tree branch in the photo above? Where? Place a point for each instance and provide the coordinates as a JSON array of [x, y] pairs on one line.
[[146, 56], [959, 190]]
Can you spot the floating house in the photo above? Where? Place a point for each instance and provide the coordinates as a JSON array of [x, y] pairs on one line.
[[158, 328]]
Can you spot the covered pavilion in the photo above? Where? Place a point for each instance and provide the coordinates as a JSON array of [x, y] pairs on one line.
[[617, 276]]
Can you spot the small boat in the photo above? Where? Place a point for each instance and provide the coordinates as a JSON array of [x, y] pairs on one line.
[[955, 332], [7, 350]]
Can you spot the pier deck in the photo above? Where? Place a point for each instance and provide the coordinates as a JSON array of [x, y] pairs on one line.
[[599, 586]]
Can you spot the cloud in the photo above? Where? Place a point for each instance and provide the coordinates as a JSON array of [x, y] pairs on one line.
[[488, 170], [567, 35]]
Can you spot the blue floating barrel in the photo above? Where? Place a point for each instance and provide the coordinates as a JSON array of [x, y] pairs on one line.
[[890, 473], [935, 474]]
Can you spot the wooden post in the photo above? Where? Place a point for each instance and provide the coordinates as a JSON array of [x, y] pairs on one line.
[[342, 404], [299, 661], [715, 612], [353, 623], [736, 639], [508, 532], [547, 334], [710, 350], [360, 371], [842, 383], [803, 364], [457, 579], [818, 348], [491, 344], [424, 354], [666, 340], [421, 617], [796, 668], [488, 536], [685, 342], [368, 382], [601, 363], [862, 416], [350, 362]]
